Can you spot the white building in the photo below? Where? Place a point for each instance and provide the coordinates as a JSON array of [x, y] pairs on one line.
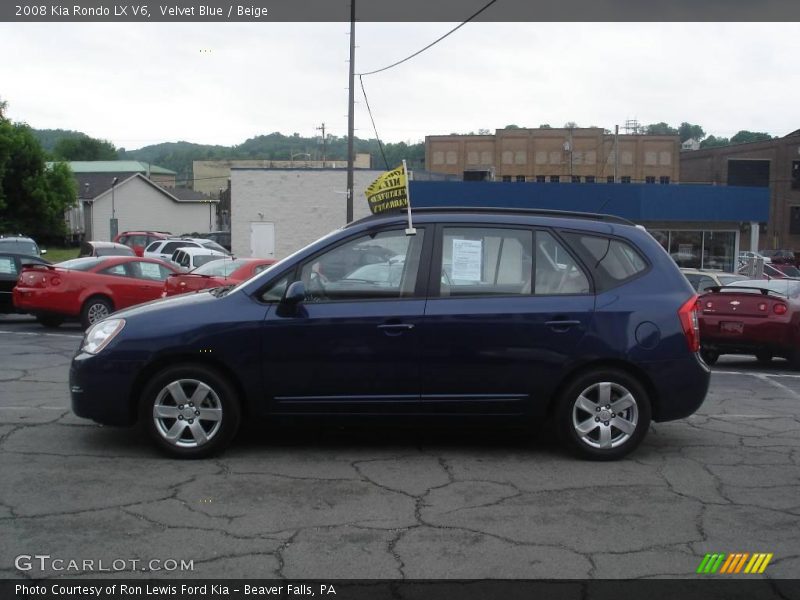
[[140, 204], [275, 212]]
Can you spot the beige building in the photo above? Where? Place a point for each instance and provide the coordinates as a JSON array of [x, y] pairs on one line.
[[275, 212], [579, 155], [773, 164], [211, 176]]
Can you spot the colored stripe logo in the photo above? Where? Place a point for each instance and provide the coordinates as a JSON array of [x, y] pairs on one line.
[[731, 564]]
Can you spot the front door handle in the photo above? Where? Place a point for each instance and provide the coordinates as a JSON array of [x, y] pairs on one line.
[[562, 324], [395, 328]]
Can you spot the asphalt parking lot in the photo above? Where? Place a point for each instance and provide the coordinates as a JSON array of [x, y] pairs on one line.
[[341, 503]]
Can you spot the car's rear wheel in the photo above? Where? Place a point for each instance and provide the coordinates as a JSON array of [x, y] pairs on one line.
[[95, 309], [764, 357], [709, 356], [603, 414], [49, 321], [190, 411]]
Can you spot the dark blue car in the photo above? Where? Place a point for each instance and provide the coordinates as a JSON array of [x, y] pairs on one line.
[[582, 322]]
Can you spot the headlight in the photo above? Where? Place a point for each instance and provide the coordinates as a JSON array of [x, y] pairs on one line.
[[101, 334]]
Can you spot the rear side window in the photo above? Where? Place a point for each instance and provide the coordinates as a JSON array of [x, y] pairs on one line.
[[7, 266], [478, 261], [170, 247], [152, 247], [611, 261]]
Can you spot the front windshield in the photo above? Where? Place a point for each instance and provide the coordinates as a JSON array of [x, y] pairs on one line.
[[220, 268], [80, 264], [202, 259], [258, 279]]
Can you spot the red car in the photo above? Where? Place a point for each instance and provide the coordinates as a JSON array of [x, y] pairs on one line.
[[225, 271], [88, 289], [139, 240], [756, 317]]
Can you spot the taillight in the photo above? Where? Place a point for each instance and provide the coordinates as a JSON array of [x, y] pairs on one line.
[[691, 329], [779, 309]]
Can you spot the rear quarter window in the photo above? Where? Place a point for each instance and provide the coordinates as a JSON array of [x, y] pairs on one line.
[[611, 261]]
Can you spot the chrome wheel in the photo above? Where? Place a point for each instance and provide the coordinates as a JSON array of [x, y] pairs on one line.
[[187, 413], [605, 415]]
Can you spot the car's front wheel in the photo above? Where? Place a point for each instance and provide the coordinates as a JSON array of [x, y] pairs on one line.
[[603, 414], [190, 411]]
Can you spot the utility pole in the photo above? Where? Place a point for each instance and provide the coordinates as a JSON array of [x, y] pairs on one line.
[[324, 141], [350, 115]]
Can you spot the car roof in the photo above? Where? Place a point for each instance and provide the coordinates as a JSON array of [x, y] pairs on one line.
[[193, 251], [432, 214], [103, 244], [16, 237]]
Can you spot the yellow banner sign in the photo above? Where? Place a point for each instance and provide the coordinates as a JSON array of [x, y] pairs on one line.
[[388, 192]]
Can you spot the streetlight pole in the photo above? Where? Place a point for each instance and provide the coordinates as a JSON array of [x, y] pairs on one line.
[[350, 115], [113, 225]]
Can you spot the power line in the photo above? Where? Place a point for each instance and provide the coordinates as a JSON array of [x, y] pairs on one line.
[[369, 110], [399, 62]]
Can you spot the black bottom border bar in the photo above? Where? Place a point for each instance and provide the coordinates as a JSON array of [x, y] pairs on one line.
[[711, 588]]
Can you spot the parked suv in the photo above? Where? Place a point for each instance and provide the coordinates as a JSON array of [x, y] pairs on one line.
[[579, 322], [20, 244], [139, 240]]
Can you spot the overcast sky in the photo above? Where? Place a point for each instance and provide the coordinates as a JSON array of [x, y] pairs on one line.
[[221, 83]]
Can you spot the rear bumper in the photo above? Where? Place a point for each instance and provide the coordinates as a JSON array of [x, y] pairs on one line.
[[680, 386], [37, 301]]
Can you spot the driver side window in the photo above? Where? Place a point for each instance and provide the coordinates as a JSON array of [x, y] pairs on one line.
[[376, 266]]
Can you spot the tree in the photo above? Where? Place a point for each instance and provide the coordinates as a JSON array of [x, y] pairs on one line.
[[570, 125], [687, 131], [545, 126], [84, 148], [744, 136], [660, 129], [713, 142], [512, 126], [33, 197]]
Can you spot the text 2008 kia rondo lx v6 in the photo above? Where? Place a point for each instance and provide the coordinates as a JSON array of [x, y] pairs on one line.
[[580, 321]]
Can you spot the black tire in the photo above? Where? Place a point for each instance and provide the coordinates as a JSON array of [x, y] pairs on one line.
[[49, 321], [219, 401], [710, 357], [584, 402], [764, 357], [95, 309]]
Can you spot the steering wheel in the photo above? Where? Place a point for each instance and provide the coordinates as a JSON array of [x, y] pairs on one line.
[[316, 284]]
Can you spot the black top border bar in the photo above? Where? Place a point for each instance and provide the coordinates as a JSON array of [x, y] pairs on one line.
[[405, 11]]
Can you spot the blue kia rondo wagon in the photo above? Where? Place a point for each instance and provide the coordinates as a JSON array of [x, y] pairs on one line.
[[579, 321]]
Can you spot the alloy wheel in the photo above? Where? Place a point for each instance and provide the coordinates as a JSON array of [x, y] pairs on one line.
[[605, 415], [187, 413]]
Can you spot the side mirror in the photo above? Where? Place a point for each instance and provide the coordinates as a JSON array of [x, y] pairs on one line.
[[295, 293], [289, 304]]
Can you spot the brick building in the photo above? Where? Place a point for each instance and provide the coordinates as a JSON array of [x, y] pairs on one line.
[[773, 164], [555, 155]]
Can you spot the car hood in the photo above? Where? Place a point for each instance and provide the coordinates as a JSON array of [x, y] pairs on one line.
[[180, 303]]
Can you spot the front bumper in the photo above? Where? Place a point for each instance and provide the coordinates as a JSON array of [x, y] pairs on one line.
[[100, 389]]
